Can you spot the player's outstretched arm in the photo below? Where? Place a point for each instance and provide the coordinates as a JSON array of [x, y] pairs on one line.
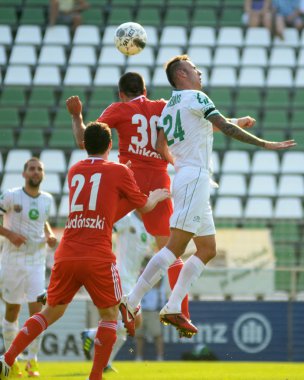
[[155, 196], [74, 107], [242, 122], [234, 131]]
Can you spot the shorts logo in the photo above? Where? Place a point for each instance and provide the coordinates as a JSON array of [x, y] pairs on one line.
[[197, 219], [17, 208], [33, 214]]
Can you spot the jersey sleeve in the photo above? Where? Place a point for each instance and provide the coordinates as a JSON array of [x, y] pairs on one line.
[[130, 190], [202, 105], [5, 202], [110, 116]]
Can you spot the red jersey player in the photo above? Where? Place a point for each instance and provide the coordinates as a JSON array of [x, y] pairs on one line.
[[135, 118], [84, 256]]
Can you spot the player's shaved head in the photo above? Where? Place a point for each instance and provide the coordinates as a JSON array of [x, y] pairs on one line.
[[132, 84], [173, 66], [97, 138]]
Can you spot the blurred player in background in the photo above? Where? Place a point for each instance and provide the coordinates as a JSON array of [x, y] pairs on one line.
[[25, 212], [135, 118], [186, 128], [132, 245], [84, 256]]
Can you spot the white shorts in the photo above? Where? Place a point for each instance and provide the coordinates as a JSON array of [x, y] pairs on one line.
[[22, 283], [191, 197]]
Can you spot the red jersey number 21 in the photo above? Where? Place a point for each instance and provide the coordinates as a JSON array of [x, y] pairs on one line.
[[78, 180]]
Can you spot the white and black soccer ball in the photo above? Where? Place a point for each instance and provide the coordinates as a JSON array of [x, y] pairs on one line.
[[130, 38]]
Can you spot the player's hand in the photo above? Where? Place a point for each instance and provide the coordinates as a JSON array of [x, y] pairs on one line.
[[271, 145], [246, 122], [129, 164], [74, 105], [159, 195], [16, 239], [51, 240]]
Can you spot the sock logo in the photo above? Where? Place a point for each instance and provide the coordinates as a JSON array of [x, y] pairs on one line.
[[97, 342], [25, 330]]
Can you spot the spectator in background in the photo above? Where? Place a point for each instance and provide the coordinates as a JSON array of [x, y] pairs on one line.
[[287, 14], [67, 12], [258, 13], [151, 327]]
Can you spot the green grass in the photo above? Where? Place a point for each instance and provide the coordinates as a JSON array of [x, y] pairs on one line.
[[177, 371]]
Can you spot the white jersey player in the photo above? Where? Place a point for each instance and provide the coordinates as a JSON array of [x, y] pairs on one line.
[[25, 229], [132, 246], [185, 139]]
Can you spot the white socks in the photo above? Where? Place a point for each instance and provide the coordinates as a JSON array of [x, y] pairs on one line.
[[10, 331], [191, 271], [153, 272]]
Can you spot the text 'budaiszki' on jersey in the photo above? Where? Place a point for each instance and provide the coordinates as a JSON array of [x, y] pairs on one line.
[[80, 222]]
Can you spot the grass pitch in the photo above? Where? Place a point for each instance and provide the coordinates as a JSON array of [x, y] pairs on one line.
[[176, 371]]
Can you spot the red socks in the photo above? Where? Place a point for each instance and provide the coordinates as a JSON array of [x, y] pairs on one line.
[[173, 273], [31, 329], [104, 342]]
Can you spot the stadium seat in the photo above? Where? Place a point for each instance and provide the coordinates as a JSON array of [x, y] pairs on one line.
[[87, 35], [257, 37], [258, 208], [291, 185], [247, 97], [167, 52], [221, 97], [297, 118], [201, 55], [232, 185], [145, 58], [265, 162], [83, 55], [110, 56], [226, 56], [142, 70], [30, 138], [160, 92], [148, 16], [292, 163], [9, 117], [8, 16], [159, 77], [53, 160], [57, 35], [33, 16], [6, 37], [18, 75], [228, 207], [63, 209], [231, 16], [15, 160], [279, 77], [254, 56], [251, 77], [42, 97], [202, 36], [204, 16], [11, 180], [52, 55], [275, 119], [107, 76], [3, 58], [76, 155], [215, 162], [51, 183], [298, 98], [7, 140], [262, 185], [62, 139], [12, 96], [71, 91], [230, 36], [119, 15], [47, 76], [23, 54], [77, 76], [176, 16], [62, 119], [28, 35], [104, 95], [291, 38], [223, 76], [299, 78], [282, 56], [236, 162], [173, 35], [277, 98], [108, 35], [93, 16], [288, 208], [36, 118]]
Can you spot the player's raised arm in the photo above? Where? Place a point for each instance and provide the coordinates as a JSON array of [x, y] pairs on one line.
[[74, 107], [237, 133], [242, 122]]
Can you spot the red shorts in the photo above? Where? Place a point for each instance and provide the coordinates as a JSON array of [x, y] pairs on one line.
[[100, 279], [156, 221]]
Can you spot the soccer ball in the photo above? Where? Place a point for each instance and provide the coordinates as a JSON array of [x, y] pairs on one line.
[[130, 38]]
